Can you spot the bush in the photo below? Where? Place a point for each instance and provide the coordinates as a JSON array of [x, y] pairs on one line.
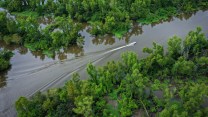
[[5, 57]]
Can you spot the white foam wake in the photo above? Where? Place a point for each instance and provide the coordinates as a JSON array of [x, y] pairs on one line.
[[128, 45]]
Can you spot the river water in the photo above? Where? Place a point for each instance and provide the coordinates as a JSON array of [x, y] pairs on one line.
[[32, 71]]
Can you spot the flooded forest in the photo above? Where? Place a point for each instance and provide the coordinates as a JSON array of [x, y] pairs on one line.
[[103, 58]]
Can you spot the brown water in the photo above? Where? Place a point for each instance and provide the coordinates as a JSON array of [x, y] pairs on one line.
[[33, 71]]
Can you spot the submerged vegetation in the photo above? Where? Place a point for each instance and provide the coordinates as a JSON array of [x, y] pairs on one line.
[[165, 83], [5, 57], [104, 16], [62, 33], [108, 16]]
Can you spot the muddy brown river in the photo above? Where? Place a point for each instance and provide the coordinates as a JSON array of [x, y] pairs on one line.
[[32, 72]]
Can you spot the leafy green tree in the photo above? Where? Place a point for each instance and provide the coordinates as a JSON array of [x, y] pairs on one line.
[[130, 60], [13, 39], [183, 67], [84, 105], [164, 83], [21, 106], [29, 108], [109, 24], [175, 47], [69, 30], [139, 8], [97, 28], [74, 87], [3, 20], [174, 109], [5, 57], [194, 43], [194, 97], [126, 106], [91, 70], [202, 65], [15, 5], [191, 98]]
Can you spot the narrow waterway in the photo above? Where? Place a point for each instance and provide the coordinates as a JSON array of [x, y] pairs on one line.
[[32, 71]]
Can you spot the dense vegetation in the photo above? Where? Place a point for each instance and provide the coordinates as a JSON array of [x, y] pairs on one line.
[[104, 17], [5, 57], [166, 83], [108, 16], [62, 33]]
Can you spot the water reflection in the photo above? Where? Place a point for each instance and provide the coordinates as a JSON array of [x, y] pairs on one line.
[[106, 40], [2, 80], [62, 55], [110, 39], [73, 50], [3, 77], [162, 21], [77, 51], [186, 16], [135, 30], [40, 55], [21, 49], [183, 16]]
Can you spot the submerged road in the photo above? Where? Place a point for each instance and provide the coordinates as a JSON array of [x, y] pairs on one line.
[[52, 74], [30, 75]]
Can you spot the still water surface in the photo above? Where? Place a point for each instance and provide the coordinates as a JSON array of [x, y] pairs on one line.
[[32, 71]]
